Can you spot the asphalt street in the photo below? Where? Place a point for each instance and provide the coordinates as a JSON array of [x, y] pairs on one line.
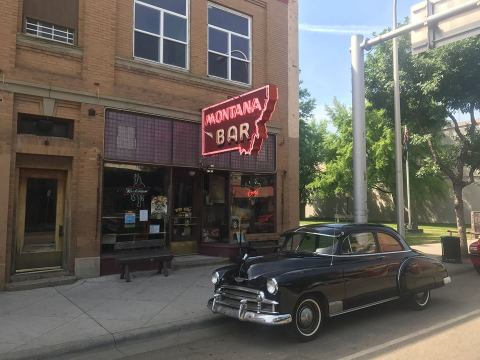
[[449, 329]]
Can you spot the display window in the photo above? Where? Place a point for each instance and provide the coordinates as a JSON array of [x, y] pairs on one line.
[[253, 205], [215, 220], [135, 204]]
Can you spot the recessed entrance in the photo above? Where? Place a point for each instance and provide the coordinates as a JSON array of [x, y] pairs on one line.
[[40, 220]]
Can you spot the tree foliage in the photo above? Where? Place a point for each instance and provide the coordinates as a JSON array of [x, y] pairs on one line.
[[311, 145], [336, 178], [435, 86]]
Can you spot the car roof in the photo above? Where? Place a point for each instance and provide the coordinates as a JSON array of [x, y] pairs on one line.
[[335, 228]]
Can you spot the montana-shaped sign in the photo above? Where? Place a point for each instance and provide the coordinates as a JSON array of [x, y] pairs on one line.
[[238, 123]]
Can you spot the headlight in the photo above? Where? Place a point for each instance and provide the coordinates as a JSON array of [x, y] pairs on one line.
[[272, 286], [215, 278]]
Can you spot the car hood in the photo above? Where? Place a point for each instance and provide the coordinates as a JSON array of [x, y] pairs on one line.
[[277, 264]]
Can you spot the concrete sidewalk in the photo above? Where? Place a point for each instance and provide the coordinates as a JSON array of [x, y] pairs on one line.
[[101, 311], [42, 323]]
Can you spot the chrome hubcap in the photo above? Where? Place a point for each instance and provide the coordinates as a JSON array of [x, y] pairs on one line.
[[422, 298], [306, 317]]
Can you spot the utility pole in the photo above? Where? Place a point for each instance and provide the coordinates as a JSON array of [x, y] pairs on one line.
[[360, 215]]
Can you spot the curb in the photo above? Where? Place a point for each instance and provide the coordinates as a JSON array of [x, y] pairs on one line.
[[111, 340]]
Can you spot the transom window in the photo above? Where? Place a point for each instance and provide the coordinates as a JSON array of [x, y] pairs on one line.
[[49, 31], [229, 44], [161, 31]]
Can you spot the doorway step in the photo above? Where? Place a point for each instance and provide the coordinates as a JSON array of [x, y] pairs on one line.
[[39, 279]]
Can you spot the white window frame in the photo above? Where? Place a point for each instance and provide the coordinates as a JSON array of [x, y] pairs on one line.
[[40, 26], [229, 50], [161, 37]]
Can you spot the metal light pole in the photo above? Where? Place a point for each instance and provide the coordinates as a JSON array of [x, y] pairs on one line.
[[398, 133], [407, 176], [359, 142]]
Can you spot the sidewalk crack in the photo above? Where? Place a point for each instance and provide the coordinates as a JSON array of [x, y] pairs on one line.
[[86, 313], [173, 300]]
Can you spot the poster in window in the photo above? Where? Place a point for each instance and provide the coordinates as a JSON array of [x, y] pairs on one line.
[[217, 189], [130, 218], [158, 207]]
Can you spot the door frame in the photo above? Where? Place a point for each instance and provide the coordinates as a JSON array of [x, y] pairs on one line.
[[60, 239]]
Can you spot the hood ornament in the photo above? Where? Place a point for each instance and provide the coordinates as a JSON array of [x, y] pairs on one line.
[[245, 257]]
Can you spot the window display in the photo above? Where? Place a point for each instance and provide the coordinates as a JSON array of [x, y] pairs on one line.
[[134, 203], [254, 202]]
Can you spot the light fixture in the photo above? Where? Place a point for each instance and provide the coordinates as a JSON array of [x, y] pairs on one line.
[[191, 173]]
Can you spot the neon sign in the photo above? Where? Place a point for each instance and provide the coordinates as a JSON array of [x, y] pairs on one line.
[[238, 123]]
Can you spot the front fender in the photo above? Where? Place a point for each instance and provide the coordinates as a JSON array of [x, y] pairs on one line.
[[420, 273]]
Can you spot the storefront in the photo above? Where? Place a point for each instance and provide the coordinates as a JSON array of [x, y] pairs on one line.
[[156, 185]]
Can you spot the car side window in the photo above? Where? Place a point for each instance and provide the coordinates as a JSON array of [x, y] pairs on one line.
[[388, 243], [359, 243]]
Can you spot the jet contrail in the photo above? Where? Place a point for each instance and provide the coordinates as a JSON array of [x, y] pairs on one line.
[[341, 29]]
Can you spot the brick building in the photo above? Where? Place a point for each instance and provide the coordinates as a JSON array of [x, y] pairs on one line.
[[100, 110]]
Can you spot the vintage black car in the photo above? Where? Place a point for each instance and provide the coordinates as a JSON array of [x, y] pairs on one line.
[[323, 271]]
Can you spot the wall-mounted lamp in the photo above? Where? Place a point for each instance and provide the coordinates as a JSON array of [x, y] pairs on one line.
[[92, 112]]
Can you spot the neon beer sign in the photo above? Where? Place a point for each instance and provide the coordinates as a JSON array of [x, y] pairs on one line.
[[238, 123]]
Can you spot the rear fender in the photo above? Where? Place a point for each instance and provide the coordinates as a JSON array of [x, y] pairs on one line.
[[420, 273]]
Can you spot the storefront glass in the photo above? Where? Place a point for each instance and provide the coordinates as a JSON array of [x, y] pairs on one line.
[[215, 220], [135, 203], [253, 205]]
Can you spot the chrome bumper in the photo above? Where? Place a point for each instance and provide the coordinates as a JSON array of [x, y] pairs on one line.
[[447, 280], [244, 315]]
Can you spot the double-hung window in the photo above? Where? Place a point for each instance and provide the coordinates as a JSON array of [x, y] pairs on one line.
[[229, 44], [161, 31]]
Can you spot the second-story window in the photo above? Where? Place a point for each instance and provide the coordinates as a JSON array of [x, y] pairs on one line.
[[161, 31], [55, 20], [229, 44]]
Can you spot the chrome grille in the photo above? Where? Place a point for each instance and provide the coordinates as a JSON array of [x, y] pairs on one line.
[[232, 296]]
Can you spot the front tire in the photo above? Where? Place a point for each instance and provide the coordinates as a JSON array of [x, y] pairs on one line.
[[419, 301], [308, 318]]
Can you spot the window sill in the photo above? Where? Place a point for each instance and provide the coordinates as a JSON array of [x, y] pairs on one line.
[[179, 75], [229, 82], [33, 42]]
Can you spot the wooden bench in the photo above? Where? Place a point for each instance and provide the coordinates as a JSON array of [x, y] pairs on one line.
[[140, 251]]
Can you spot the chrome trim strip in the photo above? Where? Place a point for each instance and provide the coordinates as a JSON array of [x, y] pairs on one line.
[[379, 253], [239, 288], [250, 316], [236, 297], [365, 306]]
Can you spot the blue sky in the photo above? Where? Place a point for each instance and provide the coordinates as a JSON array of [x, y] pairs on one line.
[[325, 30]]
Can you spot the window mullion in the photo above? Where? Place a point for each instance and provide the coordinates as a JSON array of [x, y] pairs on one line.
[[162, 19], [229, 59]]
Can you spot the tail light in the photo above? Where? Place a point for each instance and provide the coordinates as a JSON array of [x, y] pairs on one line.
[[474, 248]]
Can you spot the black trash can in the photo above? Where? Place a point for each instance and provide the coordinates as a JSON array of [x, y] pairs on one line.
[[451, 249]]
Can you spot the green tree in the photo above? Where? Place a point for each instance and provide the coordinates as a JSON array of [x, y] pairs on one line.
[[435, 86], [311, 139], [336, 178]]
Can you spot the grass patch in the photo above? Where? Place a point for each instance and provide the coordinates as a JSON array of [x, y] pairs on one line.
[[431, 233]]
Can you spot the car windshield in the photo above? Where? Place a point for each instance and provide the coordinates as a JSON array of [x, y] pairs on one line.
[[317, 243]]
